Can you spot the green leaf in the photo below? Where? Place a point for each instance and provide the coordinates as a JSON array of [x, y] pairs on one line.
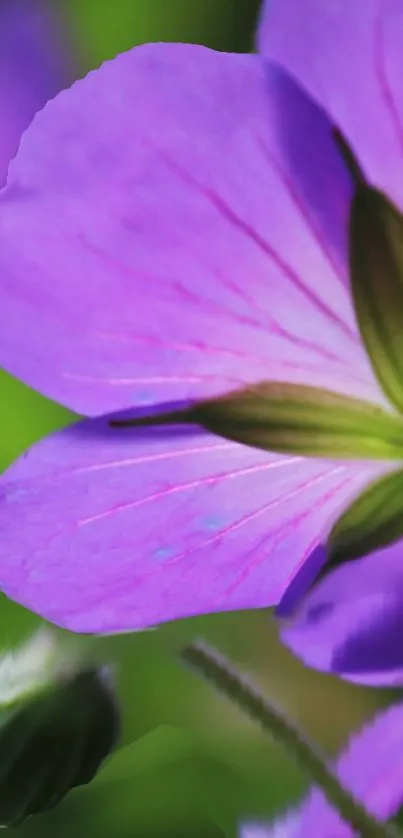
[[376, 273], [54, 741], [192, 778], [372, 521], [310, 421]]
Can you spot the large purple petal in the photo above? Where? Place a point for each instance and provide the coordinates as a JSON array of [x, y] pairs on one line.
[[167, 251], [352, 622], [33, 68], [110, 529], [370, 767], [348, 56]]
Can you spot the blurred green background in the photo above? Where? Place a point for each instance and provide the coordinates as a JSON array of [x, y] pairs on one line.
[[189, 765]]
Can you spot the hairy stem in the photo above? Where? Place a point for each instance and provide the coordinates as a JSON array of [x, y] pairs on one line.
[[216, 668]]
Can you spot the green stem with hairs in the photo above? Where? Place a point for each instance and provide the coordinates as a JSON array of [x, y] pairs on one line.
[[214, 667]]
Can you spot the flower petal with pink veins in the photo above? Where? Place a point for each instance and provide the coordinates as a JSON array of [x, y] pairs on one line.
[[110, 529], [156, 243]]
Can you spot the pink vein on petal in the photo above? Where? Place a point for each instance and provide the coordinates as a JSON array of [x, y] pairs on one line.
[[207, 349], [199, 346], [167, 455], [385, 88], [185, 293], [283, 531], [228, 213], [147, 458], [269, 322], [132, 461], [155, 379], [233, 527], [214, 306], [308, 220], [180, 487]]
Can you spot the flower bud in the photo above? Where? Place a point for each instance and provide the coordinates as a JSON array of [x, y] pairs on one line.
[[59, 719]]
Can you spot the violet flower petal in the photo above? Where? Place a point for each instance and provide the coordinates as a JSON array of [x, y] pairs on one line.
[[351, 623], [114, 529], [34, 66], [285, 827], [370, 767], [168, 250], [348, 56]]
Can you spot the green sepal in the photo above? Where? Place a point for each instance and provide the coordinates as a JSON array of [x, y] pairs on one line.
[[376, 275], [374, 520], [293, 419], [310, 421]]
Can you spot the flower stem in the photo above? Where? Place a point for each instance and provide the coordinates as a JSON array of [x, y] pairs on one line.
[[216, 668]]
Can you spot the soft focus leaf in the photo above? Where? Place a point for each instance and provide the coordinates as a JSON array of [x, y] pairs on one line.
[[173, 765], [223, 25], [53, 742]]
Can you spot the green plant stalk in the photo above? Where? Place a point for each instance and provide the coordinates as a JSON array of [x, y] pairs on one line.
[[214, 667]]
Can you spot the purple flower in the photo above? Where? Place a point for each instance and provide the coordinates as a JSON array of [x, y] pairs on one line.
[[370, 767], [351, 623], [175, 227], [33, 68]]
